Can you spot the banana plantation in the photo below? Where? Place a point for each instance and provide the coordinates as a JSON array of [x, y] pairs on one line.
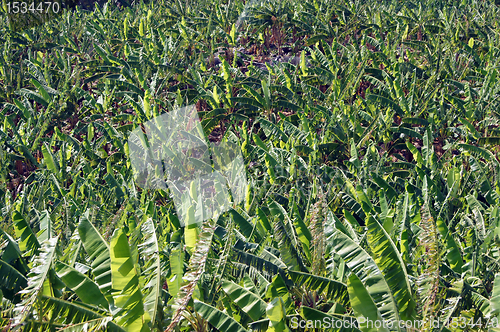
[[368, 138]]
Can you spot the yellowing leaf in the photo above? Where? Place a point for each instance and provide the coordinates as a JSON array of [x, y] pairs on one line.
[[471, 42]]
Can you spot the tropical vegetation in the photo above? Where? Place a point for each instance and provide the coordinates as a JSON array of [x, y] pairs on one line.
[[369, 131]]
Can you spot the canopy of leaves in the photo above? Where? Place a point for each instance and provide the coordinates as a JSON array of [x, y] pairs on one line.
[[370, 136]]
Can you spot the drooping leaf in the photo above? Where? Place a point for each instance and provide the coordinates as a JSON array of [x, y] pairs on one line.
[[249, 302], [127, 292], [98, 250], [365, 308], [332, 289], [392, 266], [149, 251], [217, 318], [367, 271], [29, 241], [37, 280], [86, 289]]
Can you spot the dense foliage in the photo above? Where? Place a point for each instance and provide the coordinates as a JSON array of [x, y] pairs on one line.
[[370, 136]]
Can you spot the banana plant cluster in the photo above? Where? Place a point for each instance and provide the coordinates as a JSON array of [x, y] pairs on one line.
[[370, 136]]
